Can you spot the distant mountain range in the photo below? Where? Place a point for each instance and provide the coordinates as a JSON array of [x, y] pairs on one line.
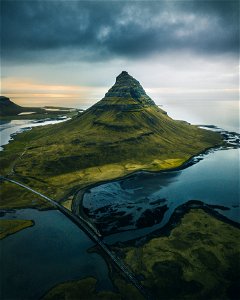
[[124, 132]]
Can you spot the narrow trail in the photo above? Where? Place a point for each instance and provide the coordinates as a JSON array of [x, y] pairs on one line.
[[93, 233]]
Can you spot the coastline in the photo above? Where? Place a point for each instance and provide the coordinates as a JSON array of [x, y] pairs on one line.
[[77, 199], [176, 218], [189, 162], [68, 197]]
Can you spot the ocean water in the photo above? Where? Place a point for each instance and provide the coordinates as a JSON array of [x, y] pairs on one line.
[[224, 114]]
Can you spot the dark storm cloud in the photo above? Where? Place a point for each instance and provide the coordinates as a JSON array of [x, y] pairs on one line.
[[99, 30]]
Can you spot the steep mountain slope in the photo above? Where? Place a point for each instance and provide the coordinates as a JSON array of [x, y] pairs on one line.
[[8, 108], [122, 133]]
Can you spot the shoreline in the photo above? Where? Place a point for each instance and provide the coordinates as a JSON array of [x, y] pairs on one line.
[[175, 220], [77, 203], [76, 189], [188, 163]]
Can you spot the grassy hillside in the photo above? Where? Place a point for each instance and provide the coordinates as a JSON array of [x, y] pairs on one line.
[[122, 133]]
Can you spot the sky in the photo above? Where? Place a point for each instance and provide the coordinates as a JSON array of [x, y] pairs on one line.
[[68, 53]]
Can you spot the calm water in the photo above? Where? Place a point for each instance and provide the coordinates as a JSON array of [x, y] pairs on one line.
[[213, 180], [9, 128], [52, 251], [56, 250], [224, 114]]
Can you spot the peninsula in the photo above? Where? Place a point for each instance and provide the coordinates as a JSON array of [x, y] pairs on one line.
[[123, 133]]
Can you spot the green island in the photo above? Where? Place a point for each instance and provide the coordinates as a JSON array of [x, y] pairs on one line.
[[8, 227], [198, 260], [123, 133]]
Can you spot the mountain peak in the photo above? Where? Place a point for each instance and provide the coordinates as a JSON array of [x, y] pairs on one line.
[[3, 99], [123, 74], [127, 87], [7, 107]]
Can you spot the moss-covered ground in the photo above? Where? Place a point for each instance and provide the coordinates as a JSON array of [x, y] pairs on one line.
[[8, 227], [198, 260], [85, 289], [14, 196], [100, 144]]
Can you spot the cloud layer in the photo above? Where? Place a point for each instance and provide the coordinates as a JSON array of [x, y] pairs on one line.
[[93, 30]]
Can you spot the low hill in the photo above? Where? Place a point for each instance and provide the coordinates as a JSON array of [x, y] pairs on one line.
[[124, 132], [8, 108]]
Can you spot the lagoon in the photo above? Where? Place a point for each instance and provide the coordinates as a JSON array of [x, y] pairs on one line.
[[54, 250]]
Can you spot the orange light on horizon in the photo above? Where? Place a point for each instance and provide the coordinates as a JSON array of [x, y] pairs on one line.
[[31, 93]]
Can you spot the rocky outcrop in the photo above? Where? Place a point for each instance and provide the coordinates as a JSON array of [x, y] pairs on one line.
[[126, 91]]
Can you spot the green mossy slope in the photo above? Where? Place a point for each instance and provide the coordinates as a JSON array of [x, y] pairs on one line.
[[122, 133]]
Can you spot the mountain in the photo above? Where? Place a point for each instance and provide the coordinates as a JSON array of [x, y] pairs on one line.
[[8, 108], [124, 132]]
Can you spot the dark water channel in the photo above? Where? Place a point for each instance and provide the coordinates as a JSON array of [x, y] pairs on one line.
[[132, 207]]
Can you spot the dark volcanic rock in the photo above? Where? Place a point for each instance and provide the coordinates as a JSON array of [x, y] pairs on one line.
[[151, 217], [127, 87]]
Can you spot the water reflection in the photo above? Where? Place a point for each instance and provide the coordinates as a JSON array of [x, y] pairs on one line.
[[53, 250]]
